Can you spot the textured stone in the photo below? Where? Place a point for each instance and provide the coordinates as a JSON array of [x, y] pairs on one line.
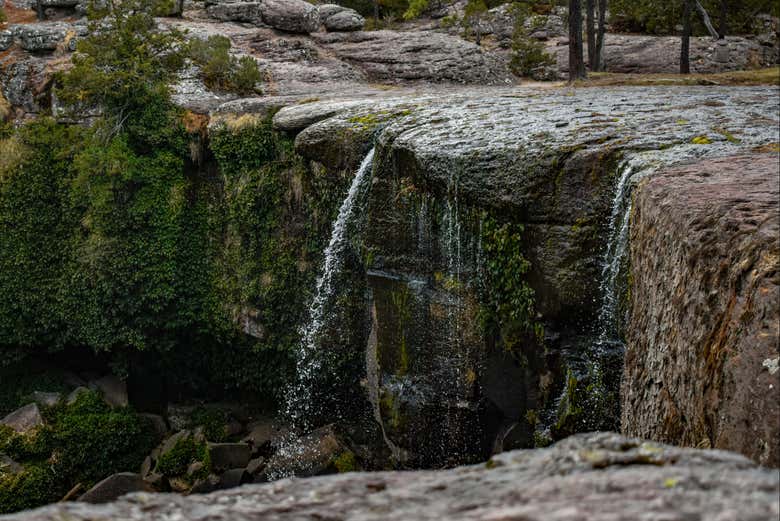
[[595, 476], [24, 419], [113, 389], [48, 36], [705, 307], [295, 16], [338, 18], [226, 456], [113, 487], [47, 399], [310, 455]]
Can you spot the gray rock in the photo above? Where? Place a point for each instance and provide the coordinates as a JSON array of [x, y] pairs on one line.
[[254, 466], [24, 419], [295, 16], [205, 485], [114, 390], [171, 442], [74, 394], [48, 36], [158, 423], [338, 18], [229, 455], [232, 478], [9, 466], [599, 476], [262, 432], [310, 455], [113, 487], [390, 56], [47, 399], [249, 12], [6, 39]]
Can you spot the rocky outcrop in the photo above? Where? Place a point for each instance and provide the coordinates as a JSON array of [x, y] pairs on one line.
[[23, 419], [336, 18], [295, 16], [595, 476], [702, 361], [642, 54], [446, 166]]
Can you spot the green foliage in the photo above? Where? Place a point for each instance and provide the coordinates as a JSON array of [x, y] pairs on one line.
[[527, 53], [3, 16], [80, 443], [416, 8], [17, 383], [652, 16], [187, 450], [124, 63], [507, 299], [220, 70], [345, 462], [212, 421], [472, 18], [587, 404]]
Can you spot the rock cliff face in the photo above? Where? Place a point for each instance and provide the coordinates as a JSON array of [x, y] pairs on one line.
[[702, 360], [449, 172], [604, 476]]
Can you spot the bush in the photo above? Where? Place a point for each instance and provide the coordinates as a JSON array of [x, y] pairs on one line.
[[3, 17], [80, 443], [186, 451], [223, 72], [528, 55]]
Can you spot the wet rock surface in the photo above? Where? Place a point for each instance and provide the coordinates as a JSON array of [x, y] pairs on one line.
[[605, 476], [702, 360], [441, 161]]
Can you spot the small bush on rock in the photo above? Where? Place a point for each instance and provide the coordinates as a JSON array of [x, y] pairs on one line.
[[220, 70]]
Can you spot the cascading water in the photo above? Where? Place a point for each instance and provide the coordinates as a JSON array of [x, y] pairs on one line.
[[310, 360], [616, 246]]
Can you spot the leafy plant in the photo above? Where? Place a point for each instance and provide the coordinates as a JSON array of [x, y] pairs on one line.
[[220, 70]]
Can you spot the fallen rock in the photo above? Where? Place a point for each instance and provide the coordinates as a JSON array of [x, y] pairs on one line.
[[248, 12], [597, 476], [9, 466], [229, 455], [233, 478], [113, 487], [205, 485], [48, 36], [262, 432], [311, 455], [74, 395], [114, 390], [338, 18], [255, 466], [47, 399], [295, 16], [6, 39], [158, 423], [24, 419], [705, 313]]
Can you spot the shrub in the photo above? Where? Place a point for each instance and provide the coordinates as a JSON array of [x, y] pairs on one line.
[[186, 451], [220, 70], [3, 17], [80, 443], [528, 54]]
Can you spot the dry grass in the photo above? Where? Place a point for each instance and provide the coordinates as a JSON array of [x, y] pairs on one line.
[[769, 76]]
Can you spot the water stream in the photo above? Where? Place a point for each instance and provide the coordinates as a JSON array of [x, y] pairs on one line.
[[311, 361]]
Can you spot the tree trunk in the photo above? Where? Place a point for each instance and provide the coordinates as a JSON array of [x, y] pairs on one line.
[[590, 27], [724, 14], [685, 45], [706, 19], [376, 13], [576, 61], [598, 56], [39, 10]]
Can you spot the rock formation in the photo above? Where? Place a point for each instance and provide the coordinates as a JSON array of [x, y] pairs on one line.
[[702, 360], [604, 476]]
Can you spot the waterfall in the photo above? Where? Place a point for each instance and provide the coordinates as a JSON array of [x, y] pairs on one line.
[[310, 362], [614, 253]]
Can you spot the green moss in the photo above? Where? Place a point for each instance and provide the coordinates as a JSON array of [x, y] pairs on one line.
[[186, 451], [701, 140], [345, 462], [212, 421]]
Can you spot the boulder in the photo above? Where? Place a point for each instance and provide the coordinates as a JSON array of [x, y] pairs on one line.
[[229, 455], [113, 487], [248, 12], [46, 399], [600, 476], [47, 37], [338, 18], [74, 395], [205, 485], [158, 423], [114, 390], [310, 455], [233, 478], [255, 466], [294, 16], [262, 432], [24, 419], [704, 327], [9, 466], [6, 39]]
